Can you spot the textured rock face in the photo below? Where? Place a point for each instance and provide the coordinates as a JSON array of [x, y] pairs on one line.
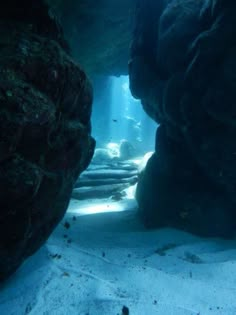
[[183, 65], [45, 142], [99, 33]]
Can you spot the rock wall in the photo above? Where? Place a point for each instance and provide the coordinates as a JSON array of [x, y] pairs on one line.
[[45, 142], [182, 67], [104, 30]]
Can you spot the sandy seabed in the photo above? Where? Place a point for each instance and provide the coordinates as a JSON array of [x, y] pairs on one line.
[[94, 264]]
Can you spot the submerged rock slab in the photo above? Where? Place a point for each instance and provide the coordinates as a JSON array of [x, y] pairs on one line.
[[45, 142], [108, 173], [109, 181], [97, 192], [182, 67]]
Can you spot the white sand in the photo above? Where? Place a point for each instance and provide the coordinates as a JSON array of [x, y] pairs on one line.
[[111, 261]]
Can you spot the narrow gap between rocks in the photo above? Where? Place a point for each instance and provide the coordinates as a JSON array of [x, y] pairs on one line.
[[125, 138]]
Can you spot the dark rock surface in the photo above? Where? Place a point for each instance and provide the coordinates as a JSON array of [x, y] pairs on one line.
[[98, 32], [45, 142], [183, 65]]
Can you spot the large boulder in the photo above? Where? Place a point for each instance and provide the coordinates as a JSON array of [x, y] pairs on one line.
[[45, 142], [182, 67]]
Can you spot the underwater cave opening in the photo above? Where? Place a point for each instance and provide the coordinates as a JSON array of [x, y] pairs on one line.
[[118, 116], [125, 136]]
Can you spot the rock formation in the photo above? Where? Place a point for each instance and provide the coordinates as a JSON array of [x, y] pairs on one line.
[[183, 65], [45, 142], [98, 32]]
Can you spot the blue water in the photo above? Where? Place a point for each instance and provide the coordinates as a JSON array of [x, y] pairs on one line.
[[117, 115]]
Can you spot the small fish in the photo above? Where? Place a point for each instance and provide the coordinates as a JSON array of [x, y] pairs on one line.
[[114, 120], [65, 274]]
